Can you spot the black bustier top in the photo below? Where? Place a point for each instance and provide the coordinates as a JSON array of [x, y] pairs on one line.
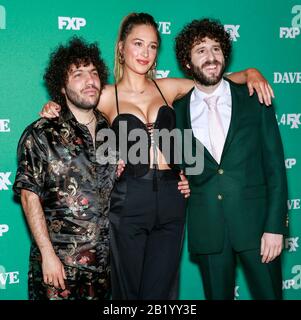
[[166, 119]]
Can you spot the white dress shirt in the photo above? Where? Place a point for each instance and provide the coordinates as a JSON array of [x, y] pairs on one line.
[[199, 112]]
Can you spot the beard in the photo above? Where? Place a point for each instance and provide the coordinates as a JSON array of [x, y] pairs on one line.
[[200, 77], [81, 102]]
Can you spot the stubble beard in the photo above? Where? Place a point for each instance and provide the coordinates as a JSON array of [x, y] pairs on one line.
[[80, 102], [200, 77]]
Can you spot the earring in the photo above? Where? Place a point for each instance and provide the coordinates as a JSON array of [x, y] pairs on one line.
[[120, 58], [154, 65]]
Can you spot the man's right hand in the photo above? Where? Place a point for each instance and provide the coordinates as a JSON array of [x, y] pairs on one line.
[[50, 110], [271, 246], [53, 271]]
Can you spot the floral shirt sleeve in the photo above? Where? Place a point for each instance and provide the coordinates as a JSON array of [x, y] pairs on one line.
[[31, 163]]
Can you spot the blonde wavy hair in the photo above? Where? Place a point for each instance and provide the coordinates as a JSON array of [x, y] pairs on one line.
[[126, 26]]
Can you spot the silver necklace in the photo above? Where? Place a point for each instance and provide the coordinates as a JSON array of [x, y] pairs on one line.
[[139, 91], [90, 121]]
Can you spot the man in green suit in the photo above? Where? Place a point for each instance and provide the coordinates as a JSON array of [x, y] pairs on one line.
[[237, 206]]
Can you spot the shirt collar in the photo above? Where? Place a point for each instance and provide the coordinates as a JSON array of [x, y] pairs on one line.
[[222, 90], [66, 115]]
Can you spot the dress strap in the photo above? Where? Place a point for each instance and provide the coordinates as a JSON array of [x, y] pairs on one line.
[[160, 91], [116, 96]]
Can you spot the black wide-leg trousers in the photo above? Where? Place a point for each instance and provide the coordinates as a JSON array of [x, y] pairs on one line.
[[146, 236]]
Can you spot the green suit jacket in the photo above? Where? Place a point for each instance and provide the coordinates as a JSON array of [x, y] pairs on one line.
[[247, 192]]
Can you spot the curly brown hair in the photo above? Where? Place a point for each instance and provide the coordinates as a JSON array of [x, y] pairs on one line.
[[77, 52], [194, 33]]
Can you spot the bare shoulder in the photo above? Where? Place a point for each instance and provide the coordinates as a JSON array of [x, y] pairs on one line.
[[174, 88], [107, 97], [107, 92]]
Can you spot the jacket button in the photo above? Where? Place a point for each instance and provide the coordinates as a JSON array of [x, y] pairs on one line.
[[220, 171], [220, 197]]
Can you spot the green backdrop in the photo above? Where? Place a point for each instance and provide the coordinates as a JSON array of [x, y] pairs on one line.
[[266, 35]]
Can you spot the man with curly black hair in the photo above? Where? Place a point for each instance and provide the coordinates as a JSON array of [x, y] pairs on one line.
[[237, 206], [78, 53], [64, 190]]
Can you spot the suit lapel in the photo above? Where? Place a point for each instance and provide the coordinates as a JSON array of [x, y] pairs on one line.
[[233, 122]]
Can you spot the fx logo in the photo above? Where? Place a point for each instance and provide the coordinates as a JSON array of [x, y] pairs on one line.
[[164, 27], [2, 18], [3, 229], [4, 181], [291, 244], [162, 74], [289, 163], [69, 23], [291, 33], [293, 119], [233, 31], [4, 125], [290, 119], [296, 21]]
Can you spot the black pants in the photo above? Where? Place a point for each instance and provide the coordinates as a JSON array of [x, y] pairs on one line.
[[146, 236]]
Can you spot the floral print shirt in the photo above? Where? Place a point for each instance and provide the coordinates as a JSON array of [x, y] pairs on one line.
[[57, 161]]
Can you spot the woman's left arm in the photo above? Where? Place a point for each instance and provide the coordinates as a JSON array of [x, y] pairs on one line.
[[254, 80]]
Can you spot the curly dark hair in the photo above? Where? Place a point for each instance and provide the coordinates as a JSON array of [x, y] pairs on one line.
[[76, 52], [194, 32]]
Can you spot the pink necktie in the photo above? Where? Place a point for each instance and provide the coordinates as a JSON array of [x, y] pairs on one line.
[[216, 131]]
